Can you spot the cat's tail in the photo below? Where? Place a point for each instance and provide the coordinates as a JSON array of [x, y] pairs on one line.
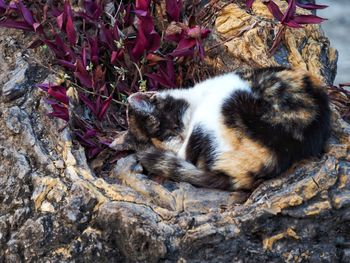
[[168, 165]]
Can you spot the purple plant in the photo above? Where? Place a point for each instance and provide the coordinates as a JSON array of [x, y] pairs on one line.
[[107, 54], [290, 18]]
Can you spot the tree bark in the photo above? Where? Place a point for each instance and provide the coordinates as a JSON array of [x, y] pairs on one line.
[[55, 208]]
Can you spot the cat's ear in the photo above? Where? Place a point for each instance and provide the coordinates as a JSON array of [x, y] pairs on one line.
[[142, 102]]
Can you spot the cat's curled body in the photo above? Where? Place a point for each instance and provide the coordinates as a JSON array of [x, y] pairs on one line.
[[232, 131]]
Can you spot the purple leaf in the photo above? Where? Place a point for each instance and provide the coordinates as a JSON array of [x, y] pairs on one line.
[[88, 103], [189, 39], [86, 141], [288, 15], [145, 42], [70, 30], [249, 3], [59, 93], [158, 77], [90, 133], [140, 45], [142, 4], [164, 77], [37, 27], [92, 152], [44, 87], [9, 23], [68, 16], [83, 75], [116, 55], [93, 50], [184, 47], [153, 41], [311, 6], [67, 64], [104, 107], [55, 11], [60, 20], [147, 38], [275, 10], [54, 49], [65, 50], [205, 32], [107, 36], [84, 80], [59, 111], [308, 19], [173, 9], [140, 12], [26, 14], [67, 9], [92, 10], [293, 24], [3, 5]]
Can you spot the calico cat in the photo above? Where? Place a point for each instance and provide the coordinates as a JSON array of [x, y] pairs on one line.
[[232, 131]]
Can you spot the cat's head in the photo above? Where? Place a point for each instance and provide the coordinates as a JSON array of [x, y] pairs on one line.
[[156, 117]]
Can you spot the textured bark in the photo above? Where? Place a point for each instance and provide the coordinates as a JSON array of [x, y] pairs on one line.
[[55, 208]]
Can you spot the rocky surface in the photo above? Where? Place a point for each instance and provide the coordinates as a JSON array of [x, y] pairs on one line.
[[55, 208], [248, 37]]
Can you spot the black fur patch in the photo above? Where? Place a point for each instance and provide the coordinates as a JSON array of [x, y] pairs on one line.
[[169, 111], [201, 148], [248, 112]]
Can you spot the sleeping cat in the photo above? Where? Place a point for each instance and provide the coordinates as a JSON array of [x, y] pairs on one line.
[[232, 131]]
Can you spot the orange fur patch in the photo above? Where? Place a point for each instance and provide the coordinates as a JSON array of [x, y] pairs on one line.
[[293, 77], [301, 116], [245, 158], [316, 81], [157, 143]]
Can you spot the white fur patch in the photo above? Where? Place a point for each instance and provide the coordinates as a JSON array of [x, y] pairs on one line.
[[206, 100]]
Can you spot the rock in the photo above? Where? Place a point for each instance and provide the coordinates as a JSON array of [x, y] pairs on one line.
[[248, 37], [16, 87], [55, 208]]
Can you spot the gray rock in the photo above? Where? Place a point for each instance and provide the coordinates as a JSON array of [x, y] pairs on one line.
[[16, 86]]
